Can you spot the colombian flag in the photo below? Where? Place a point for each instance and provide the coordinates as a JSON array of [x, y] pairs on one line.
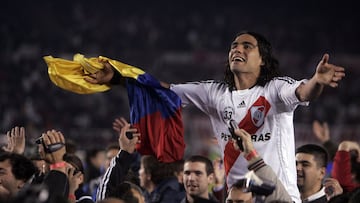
[[154, 110]]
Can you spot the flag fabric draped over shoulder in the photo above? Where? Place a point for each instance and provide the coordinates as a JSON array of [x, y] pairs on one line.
[[154, 110]]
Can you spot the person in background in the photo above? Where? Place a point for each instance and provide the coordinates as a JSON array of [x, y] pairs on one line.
[[346, 167], [16, 172], [16, 140], [94, 162], [95, 159], [321, 131], [43, 168], [240, 191], [158, 181], [135, 166], [110, 152], [311, 161], [179, 174], [117, 172], [71, 146], [219, 187], [76, 180], [198, 176], [56, 180]]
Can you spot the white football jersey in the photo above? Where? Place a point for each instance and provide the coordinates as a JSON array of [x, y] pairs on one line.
[[265, 112]]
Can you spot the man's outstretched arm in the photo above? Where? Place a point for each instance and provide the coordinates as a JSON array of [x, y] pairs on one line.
[[326, 75], [108, 74]]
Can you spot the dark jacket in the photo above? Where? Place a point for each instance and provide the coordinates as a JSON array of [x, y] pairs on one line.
[[57, 184], [115, 174], [167, 191], [321, 199], [82, 197], [211, 199]]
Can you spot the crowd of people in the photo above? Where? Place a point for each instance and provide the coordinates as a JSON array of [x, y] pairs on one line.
[[58, 174]]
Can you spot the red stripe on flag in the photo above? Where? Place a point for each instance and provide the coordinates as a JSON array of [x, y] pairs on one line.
[[162, 138]]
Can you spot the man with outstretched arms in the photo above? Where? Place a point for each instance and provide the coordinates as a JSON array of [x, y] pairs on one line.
[[259, 99]]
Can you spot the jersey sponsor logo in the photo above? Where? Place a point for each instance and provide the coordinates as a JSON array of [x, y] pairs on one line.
[[261, 137], [225, 137], [254, 137]]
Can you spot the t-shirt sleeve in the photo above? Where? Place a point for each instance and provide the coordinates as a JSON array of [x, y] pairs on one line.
[[196, 93], [286, 88]]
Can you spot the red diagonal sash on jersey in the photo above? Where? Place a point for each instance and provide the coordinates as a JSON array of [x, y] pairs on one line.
[[253, 120]]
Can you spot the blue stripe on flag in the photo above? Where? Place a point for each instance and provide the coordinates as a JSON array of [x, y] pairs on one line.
[[147, 96]]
